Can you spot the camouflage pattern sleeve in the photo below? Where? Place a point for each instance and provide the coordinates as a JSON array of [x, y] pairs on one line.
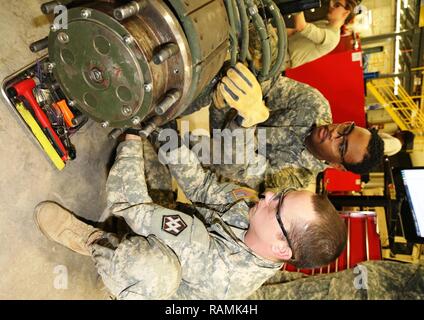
[[198, 184], [291, 102], [126, 185], [289, 177], [371, 280]]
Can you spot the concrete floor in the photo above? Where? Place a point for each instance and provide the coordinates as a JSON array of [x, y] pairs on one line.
[[31, 267]]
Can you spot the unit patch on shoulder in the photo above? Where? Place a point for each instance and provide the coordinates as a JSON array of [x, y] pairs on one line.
[[173, 224], [244, 193]]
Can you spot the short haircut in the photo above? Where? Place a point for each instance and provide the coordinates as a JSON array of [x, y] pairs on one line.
[[322, 241], [373, 157]]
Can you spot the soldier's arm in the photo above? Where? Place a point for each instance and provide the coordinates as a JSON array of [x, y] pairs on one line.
[[126, 184], [289, 177], [290, 99], [319, 36], [198, 184]]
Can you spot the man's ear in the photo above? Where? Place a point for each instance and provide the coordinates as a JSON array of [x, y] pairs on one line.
[[338, 166], [281, 250]]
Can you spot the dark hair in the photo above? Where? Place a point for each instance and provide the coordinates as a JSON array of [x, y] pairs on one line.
[[323, 240], [372, 158], [351, 5], [407, 139]]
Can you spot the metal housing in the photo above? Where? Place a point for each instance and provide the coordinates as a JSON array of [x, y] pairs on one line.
[[155, 62]]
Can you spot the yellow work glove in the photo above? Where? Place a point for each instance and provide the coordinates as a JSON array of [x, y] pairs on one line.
[[241, 91]]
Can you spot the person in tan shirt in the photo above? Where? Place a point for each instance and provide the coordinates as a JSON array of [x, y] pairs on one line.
[[310, 41]]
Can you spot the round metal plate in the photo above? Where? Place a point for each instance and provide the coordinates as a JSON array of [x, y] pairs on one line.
[[99, 67]]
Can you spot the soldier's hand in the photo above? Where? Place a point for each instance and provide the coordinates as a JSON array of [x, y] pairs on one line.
[[241, 91]]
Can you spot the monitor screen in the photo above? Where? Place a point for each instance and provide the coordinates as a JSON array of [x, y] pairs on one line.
[[413, 181]]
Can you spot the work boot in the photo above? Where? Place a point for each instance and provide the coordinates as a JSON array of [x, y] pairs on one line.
[[59, 225]]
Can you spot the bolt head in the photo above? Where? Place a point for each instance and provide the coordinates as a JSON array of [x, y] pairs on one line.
[[72, 103], [63, 37], [136, 120], [85, 13], [148, 87], [105, 124], [54, 27], [96, 75], [126, 110], [51, 66], [128, 39]]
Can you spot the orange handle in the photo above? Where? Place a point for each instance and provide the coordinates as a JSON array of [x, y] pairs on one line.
[[67, 113]]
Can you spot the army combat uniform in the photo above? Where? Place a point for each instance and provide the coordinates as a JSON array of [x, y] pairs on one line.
[[172, 254], [371, 280], [294, 109]]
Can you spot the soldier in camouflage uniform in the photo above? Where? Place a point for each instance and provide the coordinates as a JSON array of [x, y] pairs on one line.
[[301, 140], [371, 280], [178, 256]]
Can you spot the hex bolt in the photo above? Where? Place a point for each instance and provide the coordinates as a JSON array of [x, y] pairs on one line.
[[63, 37], [165, 52], [170, 99], [50, 66], [114, 134], [85, 13], [54, 27], [128, 39], [148, 87], [128, 10], [147, 131], [96, 75], [105, 124], [72, 103], [136, 121], [126, 110]]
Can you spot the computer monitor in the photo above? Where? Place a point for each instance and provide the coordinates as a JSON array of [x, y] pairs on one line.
[[409, 184]]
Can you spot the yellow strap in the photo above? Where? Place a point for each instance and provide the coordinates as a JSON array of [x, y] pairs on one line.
[[41, 137]]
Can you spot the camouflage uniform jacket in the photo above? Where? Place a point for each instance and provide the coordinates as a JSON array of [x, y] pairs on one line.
[[370, 280], [294, 109], [215, 263]]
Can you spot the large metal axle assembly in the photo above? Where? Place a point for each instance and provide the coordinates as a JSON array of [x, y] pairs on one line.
[[124, 63]]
